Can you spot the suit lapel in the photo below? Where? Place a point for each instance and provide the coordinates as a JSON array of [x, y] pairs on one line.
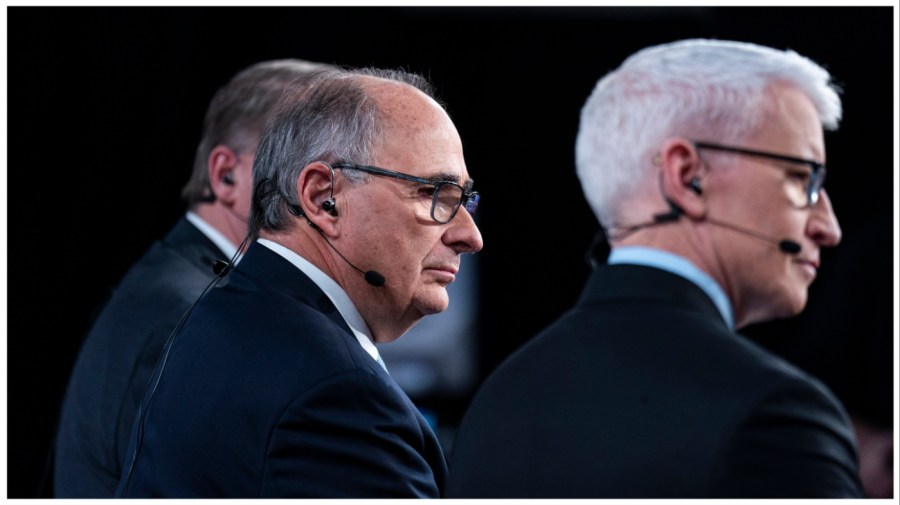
[[267, 266]]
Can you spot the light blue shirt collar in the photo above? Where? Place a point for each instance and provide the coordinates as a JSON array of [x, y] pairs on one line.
[[678, 265]]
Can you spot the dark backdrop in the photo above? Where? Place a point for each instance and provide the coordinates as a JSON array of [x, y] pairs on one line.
[[106, 104]]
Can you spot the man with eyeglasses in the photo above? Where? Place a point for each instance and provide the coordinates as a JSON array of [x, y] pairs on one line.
[[704, 162], [362, 207]]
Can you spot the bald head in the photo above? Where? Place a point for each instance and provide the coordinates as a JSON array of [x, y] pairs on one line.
[[409, 119], [341, 117]]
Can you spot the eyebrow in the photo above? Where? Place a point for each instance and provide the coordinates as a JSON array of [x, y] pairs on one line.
[[449, 177], [443, 176]]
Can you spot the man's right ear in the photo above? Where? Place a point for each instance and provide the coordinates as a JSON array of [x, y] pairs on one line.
[[220, 167], [681, 170], [315, 194]]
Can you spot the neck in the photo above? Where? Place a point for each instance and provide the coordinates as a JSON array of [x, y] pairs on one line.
[[226, 222]]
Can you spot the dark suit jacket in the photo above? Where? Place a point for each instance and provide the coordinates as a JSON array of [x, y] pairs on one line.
[[266, 393], [641, 390], [118, 356]]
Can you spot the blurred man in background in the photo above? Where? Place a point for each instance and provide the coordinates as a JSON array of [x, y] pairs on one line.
[[121, 349]]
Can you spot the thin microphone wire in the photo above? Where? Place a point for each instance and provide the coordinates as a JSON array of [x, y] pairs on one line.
[[786, 245], [674, 214], [161, 365], [335, 249], [372, 277]]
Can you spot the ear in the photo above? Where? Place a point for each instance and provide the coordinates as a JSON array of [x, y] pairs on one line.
[[681, 176], [221, 167], [315, 185]]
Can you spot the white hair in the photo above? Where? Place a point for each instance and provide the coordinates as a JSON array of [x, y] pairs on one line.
[[698, 89]]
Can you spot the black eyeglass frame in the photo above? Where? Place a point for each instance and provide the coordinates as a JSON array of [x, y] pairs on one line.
[[468, 199], [816, 178]]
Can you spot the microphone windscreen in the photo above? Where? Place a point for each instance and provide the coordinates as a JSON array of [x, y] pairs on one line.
[[789, 246], [374, 278]]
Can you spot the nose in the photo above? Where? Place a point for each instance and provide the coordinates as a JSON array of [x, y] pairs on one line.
[[462, 234], [823, 227]]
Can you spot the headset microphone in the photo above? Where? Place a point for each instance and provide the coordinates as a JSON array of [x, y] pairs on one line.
[[374, 278], [371, 276], [789, 246], [786, 246]]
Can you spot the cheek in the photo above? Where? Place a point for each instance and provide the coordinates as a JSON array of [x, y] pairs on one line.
[[789, 286], [400, 253], [408, 257]]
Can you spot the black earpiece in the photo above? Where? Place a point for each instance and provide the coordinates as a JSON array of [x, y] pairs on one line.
[[228, 179], [695, 186], [329, 207]]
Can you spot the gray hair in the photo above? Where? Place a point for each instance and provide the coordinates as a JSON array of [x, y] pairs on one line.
[[237, 115], [333, 120], [699, 89]]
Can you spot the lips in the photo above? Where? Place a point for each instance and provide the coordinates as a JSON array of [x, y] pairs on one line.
[[813, 261], [445, 271], [450, 269], [809, 265]]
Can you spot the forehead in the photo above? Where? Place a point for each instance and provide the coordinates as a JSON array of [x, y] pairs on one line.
[[792, 124], [418, 137]]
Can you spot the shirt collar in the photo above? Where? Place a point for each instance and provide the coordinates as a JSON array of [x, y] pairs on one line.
[[214, 235], [333, 291], [677, 265]]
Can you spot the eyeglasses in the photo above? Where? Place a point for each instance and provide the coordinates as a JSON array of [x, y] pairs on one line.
[[447, 198], [812, 181]]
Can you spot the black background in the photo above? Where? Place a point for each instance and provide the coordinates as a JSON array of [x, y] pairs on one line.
[[106, 103]]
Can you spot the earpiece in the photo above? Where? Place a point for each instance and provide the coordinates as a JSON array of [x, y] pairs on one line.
[[328, 206], [695, 186], [228, 179]]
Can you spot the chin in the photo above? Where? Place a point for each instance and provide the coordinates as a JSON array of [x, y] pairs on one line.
[[434, 303], [792, 305]]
